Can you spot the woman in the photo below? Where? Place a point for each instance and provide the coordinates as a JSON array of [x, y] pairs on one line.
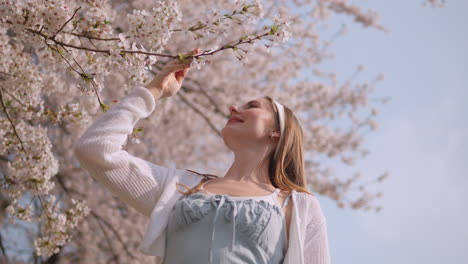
[[243, 217]]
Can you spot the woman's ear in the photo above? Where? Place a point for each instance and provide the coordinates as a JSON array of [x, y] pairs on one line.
[[275, 135]]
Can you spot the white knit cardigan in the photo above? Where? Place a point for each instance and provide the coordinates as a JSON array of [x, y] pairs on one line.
[[151, 189]]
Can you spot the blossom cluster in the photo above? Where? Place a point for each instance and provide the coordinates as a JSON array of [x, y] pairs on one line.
[[434, 3], [44, 15], [28, 160], [152, 29], [221, 23], [281, 30], [58, 225], [32, 164], [368, 19], [92, 21]]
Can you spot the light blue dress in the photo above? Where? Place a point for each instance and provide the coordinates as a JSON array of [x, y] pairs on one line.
[[211, 228]]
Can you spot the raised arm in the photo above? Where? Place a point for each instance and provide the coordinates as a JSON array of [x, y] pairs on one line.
[[99, 151], [137, 182]]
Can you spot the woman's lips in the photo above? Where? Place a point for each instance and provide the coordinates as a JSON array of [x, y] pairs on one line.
[[233, 121]]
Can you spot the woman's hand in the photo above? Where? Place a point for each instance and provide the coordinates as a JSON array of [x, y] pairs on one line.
[[169, 80]]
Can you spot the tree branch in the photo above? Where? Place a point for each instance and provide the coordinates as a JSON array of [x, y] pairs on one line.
[[234, 46], [74, 13], [3, 249], [11, 121], [98, 217], [199, 112], [217, 110]]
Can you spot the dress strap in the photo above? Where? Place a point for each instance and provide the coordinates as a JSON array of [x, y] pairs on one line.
[[275, 193], [203, 188], [285, 203], [222, 200]]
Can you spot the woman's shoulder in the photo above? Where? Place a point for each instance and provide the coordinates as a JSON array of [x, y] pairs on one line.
[[309, 204], [306, 197]]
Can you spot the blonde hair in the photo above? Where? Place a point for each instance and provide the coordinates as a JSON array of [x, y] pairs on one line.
[[287, 171], [196, 187]]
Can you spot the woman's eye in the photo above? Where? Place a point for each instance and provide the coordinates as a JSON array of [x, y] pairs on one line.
[[252, 105]]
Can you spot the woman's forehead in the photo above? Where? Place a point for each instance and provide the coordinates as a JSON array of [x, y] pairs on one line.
[[261, 100]]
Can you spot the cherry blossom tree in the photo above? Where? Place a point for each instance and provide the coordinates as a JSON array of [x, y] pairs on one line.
[[63, 62]]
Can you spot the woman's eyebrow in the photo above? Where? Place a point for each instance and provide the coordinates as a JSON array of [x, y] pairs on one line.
[[253, 101]]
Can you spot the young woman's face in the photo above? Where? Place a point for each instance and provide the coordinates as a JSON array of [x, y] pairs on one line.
[[257, 123]]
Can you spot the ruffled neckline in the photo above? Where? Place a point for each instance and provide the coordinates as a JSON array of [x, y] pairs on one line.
[[210, 196]]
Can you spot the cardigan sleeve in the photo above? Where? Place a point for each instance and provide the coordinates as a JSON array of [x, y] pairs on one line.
[[99, 151], [316, 249]]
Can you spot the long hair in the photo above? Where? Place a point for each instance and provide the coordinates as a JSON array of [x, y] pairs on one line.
[[196, 187], [287, 170]]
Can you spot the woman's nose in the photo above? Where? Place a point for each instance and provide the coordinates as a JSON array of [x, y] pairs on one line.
[[233, 109]]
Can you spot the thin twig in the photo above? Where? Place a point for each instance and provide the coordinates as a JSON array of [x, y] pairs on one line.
[[82, 74], [7, 74], [199, 112], [14, 98], [11, 121], [92, 43], [114, 231], [3, 250], [212, 101], [66, 60], [74, 13], [85, 35], [116, 257], [204, 53], [98, 217], [19, 102], [217, 110]]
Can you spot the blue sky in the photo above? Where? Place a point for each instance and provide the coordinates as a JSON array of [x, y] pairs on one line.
[[422, 139]]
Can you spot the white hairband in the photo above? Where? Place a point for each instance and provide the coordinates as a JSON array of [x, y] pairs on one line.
[[281, 121]]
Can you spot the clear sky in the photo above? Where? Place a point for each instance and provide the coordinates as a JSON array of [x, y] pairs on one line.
[[422, 139]]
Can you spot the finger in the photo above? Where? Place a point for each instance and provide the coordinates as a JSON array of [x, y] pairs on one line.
[[180, 75], [191, 54], [177, 65], [185, 71]]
